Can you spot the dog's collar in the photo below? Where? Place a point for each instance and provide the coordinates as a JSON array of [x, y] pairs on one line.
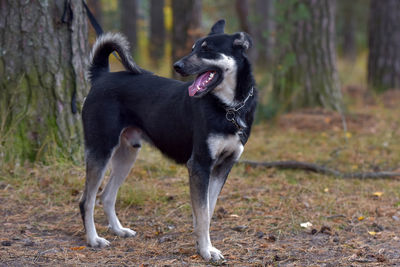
[[231, 113]]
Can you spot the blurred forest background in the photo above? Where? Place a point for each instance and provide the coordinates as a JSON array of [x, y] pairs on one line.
[[306, 53]]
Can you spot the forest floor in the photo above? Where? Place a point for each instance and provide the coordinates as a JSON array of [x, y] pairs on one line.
[[257, 220]]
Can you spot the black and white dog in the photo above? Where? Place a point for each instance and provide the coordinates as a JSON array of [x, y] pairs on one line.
[[204, 123]]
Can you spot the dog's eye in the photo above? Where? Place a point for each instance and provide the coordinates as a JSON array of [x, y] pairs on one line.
[[205, 47]]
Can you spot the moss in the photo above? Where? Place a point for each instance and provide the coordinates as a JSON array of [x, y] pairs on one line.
[[47, 80], [33, 77]]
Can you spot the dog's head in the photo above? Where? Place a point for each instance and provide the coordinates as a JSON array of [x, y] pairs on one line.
[[214, 59]]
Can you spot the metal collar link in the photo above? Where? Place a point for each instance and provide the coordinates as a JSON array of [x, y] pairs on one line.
[[231, 111]]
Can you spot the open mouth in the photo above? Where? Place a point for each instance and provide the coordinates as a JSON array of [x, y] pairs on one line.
[[203, 83]]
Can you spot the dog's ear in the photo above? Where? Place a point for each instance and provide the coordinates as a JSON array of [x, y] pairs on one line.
[[218, 27], [242, 40]]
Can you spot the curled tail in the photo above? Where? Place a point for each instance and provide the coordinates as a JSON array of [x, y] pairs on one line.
[[103, 47]]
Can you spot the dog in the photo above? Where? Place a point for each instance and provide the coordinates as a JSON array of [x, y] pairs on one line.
[[204, 123]]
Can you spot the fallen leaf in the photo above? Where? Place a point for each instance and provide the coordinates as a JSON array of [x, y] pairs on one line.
[[78, 248], [372, 233], [361, 218], [234, 215]]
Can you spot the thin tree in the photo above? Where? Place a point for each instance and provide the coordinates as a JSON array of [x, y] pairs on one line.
[[95, 7], [129, 15], [306, 73], [384, 45], [157, 30], [242, 10], [44, 54], [347, 29], [263, 27], [186, 27]]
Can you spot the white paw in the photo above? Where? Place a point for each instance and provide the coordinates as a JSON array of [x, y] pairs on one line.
[[123, 232], [211, 253], [98, 242]]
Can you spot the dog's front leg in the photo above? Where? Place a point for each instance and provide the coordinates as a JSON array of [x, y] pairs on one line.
[[199, 179]]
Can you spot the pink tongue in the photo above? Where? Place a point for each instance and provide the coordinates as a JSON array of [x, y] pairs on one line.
[[198, 84]]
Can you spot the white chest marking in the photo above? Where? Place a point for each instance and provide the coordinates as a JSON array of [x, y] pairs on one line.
[[219, 144], [225, 91]]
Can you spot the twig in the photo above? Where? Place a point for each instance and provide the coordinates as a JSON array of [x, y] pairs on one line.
[[306, 166]]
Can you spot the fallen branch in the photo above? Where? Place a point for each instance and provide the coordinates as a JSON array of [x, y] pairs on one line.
[[306, 166]]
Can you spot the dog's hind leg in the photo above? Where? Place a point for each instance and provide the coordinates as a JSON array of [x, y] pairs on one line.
[[121, 163], [95, 170]]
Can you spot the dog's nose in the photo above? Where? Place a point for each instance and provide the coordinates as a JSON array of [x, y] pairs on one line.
[[178, 66]]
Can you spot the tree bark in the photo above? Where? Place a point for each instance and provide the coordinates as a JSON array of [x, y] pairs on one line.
[[95, 7], [242, 10], [306, 74], [348, 29], [186, 27], [129, 15], [384, 45], [262, 32], [157, 30], [43, 57]]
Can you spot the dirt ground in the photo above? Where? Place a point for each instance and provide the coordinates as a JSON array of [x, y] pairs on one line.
[[259, 213]]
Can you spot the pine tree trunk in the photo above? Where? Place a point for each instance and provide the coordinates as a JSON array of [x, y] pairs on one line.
[[347, 29], [129, 16], [384, 45], [263, 32], [306, 74], [242, 11], [42, 65], [157, 30], [186, 27], [95, 7]]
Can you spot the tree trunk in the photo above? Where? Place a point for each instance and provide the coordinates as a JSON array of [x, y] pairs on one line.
[[384, 45], [43, 57], [157, 30], [306, 74], [262, 32], [242, 10], [186, 27], [349, 48], [96, 9], [129, 15]]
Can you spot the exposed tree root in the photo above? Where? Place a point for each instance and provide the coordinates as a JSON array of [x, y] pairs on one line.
[[306, 166]]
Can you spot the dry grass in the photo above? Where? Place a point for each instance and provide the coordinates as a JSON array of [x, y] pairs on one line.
[[259, 212]]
